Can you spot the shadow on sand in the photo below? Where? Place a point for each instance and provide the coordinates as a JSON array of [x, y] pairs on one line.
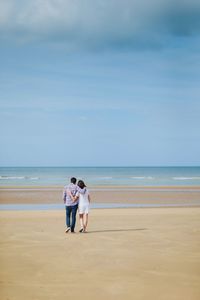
[[117, 230]]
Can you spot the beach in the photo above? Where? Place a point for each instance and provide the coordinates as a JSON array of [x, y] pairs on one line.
[[163, 195], [128, 253]]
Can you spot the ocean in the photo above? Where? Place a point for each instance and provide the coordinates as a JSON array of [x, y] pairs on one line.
[[100, 176]]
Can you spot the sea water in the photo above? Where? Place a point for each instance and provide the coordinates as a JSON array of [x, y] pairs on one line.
[[100, 176]]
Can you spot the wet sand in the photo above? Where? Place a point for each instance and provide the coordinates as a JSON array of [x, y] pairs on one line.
[[138, 195], [127, 254]]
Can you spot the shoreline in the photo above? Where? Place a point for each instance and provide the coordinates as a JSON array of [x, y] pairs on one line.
[[102, 187], [138, 197], [57, 207]]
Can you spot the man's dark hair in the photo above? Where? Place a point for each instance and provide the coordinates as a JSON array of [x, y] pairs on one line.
[[73, 180]]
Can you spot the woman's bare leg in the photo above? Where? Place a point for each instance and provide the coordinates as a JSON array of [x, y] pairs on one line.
[[85, 221], [81, 221]]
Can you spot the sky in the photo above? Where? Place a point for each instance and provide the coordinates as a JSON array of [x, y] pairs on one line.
[[99, 83]]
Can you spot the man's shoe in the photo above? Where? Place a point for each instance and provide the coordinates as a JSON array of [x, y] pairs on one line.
[[67, 230]]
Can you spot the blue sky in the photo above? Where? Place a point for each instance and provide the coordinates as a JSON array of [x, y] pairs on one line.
[[99, 83]]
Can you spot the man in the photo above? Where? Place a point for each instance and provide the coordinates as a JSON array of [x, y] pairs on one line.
[[71, 204]]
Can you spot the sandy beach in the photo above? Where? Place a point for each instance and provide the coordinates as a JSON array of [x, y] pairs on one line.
[[143, 253], [138, 195]]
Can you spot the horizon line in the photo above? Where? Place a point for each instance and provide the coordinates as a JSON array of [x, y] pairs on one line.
[[106, 166]]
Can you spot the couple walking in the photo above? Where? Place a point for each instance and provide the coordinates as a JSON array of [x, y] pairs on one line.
[[76, 197]]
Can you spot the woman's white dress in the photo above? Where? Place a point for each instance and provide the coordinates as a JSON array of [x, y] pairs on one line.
[[83, 205]]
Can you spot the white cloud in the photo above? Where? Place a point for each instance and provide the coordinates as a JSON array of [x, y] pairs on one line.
[[5, 13]]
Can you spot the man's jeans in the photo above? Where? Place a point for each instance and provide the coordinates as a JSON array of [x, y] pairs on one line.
[[71, 216]]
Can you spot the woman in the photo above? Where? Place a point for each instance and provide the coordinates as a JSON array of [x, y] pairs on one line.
[[83, 206]]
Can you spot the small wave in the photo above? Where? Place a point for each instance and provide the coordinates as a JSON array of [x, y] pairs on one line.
[[105, 178], [18, 178], [186, 178], [141, 177], [11, 177]]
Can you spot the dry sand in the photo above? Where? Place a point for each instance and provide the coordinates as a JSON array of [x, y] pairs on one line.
[[127, 254]]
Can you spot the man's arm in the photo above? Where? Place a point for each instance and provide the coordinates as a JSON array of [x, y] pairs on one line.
[[70, 195], [81, 191]]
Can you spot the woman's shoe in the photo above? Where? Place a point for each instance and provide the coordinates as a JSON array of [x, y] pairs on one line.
[[81, 230]]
